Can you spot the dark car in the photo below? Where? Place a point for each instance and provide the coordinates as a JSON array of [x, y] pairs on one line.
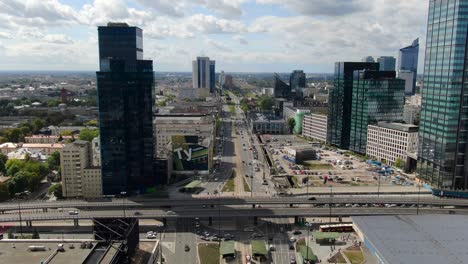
[[137, 213], [291, 246], [312, 199], [297, 232], [187, 248]]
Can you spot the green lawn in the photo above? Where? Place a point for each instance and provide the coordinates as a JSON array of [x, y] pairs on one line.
[[230, 185], [300, 242], [209, 253], [246, 186], [354, 256]]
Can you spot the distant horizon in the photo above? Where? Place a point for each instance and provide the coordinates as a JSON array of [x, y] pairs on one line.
[[188, 72]]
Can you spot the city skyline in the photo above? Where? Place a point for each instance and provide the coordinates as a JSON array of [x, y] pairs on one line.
[[243, 35]]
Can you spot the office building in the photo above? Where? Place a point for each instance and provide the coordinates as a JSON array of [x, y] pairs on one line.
[[408, 61], [126, 98], [297, 81], [79, 177], [339, 101], [281, 89], [96, 152], [377, 96], [186, 141], [314, 127], [386, 63], [391, 141], [203, 74], [212, 76], [368, 59], [411, 114], [442, 160], [266, 123], [408, 76], [228, 82]]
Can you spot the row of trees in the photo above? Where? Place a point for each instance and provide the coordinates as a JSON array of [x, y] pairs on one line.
[[18, 134]]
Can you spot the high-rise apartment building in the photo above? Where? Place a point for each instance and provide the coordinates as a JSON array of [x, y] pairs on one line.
[[79, 177], [408, 60], [222, 80], [386, 63], [442, 153], [126, 98], [377, 96], [203, 73], [339, 101]]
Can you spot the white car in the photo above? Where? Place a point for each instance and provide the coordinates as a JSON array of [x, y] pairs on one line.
[[292, 239], [151, 236]]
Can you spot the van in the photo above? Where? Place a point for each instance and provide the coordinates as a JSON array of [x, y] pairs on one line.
[[358, 179]]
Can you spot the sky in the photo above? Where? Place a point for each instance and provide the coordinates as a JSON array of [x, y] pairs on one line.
[[241, 35]]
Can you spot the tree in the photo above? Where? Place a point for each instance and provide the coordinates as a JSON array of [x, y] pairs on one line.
[[17, 184], [15, 135], [56, 189], [88, 134], [4, 193], [53, 161], [93, 123], [35, 234], [399, 163], [291, 124], [3, 157], [38, 124], [265, 103], [2, 167]]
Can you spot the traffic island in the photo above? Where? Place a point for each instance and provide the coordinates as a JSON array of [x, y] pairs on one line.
[[208, 253]]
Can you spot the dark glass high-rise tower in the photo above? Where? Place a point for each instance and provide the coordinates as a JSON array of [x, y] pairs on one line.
[[125, 96], [281, 89], [442, 154], [377, 96], [340, 101], [297, 81]]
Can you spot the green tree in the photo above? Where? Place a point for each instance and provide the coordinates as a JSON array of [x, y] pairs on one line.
[[93, 123], [38, 124], [399, 163], [88, 134], [15, 135], [17, 184], [4, 193], [265, 103], [3, 157], [2, 167], [35, 234], [291, 124], [53, 161], [56, 189]]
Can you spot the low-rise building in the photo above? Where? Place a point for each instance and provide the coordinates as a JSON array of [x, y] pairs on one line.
[[314, 127], [44, 139], [391, 141], [33, 148], [266, 123], [79, 177]]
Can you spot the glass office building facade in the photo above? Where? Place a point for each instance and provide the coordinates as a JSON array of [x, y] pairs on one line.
[[339, 101], [126, 97], [408, 61], [442, 160], [281, 89], [386, 63], [212, 76], [377, 96]]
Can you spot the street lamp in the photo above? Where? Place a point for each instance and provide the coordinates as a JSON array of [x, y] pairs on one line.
[[308, 225], [123, 201], [331, 201]]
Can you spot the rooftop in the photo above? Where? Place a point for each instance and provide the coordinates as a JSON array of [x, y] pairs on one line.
[[399, 126], [428, 239]]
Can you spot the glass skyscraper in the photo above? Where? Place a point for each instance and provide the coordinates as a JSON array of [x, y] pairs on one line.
[[281, 89], [387, 63], [212, 76], [297, 81], [377, 96], [442, 154], [339, 101], [126, 97], [408, 61]]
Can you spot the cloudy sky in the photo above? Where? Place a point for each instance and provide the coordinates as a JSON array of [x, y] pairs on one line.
[[241, 35]]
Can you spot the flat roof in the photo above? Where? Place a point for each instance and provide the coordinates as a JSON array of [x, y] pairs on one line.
[[193, 184], [399, 126], [227, 248], [428, 239], [259, 247], [17, 252]]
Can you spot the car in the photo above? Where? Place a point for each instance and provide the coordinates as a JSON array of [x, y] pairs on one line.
[[187, 248], [204, 206], [205, 238], [75, 212], [293, 260], [152, 236], [291, 247], [170, 212], [292, 239], [248, 258], [149, 233], [312, 199], [248, 229], [197, 225], [216, 239], [215, 179], [272, 248], [297, 232], [137, 213], [257, 235]]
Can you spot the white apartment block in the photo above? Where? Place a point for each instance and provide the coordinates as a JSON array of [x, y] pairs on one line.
[[314, 126], [79, 178], [391, 141], [166, 126]]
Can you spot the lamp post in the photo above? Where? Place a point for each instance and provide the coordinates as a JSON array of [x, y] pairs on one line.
[[331, 201], [308, 225], [123, 201]]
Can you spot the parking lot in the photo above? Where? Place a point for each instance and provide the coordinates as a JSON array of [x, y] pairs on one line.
[[334, 168]]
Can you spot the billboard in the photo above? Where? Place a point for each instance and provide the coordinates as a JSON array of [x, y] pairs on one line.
[[190, 153]]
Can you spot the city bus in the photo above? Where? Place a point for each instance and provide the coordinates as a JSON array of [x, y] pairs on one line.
[[341, 228]]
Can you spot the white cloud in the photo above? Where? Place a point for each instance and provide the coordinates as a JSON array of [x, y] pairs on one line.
[[323, 8], [180, 8], [5, 35], [217, 45], [240, 39], [57, 39]]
